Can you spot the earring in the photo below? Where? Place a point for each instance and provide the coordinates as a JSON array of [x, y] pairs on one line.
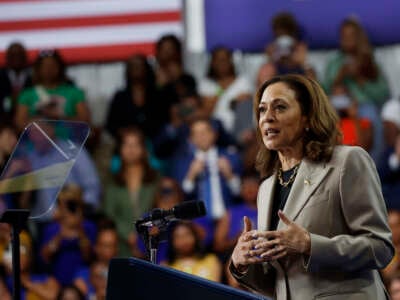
[[307, 129]]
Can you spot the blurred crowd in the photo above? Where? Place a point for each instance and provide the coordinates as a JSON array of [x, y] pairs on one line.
[[175, 139]]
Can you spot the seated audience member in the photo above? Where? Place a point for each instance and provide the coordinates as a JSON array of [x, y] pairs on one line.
[[185, 253], [389, 164], [173, 137], [52, 96], [172, 80], [34, 286], [136, 104], [354, 67], [287, 53], [66, 244], [207, 172], [223, 90], [131, 192], [357, 131], [98, 280], [105, 248], [230, 226], [13, 78], [70, 292], [394, 286]]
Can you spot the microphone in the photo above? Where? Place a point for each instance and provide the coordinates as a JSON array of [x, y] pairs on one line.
[[185, 210]]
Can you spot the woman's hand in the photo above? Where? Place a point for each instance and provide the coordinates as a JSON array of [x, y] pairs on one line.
[[272, 245], [241, 256]]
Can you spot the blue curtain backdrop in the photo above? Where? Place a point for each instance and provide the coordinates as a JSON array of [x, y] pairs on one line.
[[245, 24]]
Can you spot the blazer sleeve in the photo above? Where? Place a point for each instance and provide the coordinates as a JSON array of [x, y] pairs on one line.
[[367, 243], [259, 278]]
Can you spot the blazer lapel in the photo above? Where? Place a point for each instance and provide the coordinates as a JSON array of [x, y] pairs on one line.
[[266, 195], [308, 178]]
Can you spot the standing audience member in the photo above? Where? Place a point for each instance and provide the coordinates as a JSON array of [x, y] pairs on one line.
[[186, 253], [287, 53], [13, 78], [66, 244], [172, 80], [131, 192], [53, 96], [207, 172], [223, 89], [136, 104], [394, 286], [354, 67]]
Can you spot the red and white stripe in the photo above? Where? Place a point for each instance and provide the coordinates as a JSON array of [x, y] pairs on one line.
[[88, 30]]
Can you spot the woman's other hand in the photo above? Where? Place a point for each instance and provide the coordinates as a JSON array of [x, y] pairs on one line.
[[272, 245]]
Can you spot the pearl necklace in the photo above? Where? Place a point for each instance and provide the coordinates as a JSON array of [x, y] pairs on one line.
[[290, 180]]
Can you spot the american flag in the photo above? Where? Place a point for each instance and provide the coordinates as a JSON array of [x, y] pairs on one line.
[[88, 30]]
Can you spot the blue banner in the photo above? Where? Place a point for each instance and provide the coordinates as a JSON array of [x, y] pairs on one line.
[[246, 24]]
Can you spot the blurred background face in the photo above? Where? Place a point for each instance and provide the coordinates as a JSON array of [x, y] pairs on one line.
[[131, 149], [16, 57], [98, 278], [348, 38], [167, 52], [49, 70], [137, 68], [221, 63], [8, 140], [249, 190], [107, 245], [202, 135], [183, 240], [70, 294], [168, 195], [70, 211], [390, 132]]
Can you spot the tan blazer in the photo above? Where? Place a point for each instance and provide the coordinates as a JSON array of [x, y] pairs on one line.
[[341, 204]]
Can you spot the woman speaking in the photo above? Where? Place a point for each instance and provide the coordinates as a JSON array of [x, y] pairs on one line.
[[322, 222]]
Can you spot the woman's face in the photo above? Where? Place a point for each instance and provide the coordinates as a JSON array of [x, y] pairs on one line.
[[281, 122], [168, 195], [131, 149], [222, 63], [183, 240], [348, 39], [49, 70], [137, 69]]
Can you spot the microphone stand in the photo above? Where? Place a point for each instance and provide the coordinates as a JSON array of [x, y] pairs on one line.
[[17, 219], [151, 240]]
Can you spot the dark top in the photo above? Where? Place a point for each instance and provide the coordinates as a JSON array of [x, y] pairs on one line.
[[123, 112], [280, 196]]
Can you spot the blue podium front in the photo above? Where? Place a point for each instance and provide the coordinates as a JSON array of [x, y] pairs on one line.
[[131, 278]]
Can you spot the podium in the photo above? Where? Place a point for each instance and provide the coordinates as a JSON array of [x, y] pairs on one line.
[[131, 278]]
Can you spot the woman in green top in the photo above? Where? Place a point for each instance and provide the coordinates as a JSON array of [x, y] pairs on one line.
[[355, 68], [131, 193], [52, 96]]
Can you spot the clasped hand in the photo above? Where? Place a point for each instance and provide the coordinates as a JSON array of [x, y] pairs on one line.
[[255, 246]]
